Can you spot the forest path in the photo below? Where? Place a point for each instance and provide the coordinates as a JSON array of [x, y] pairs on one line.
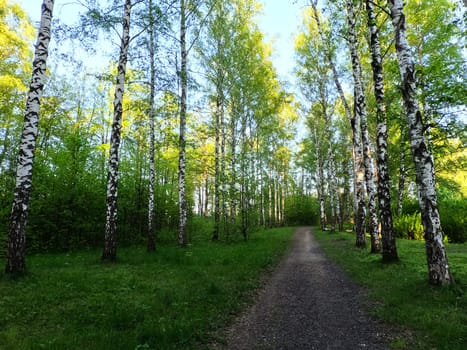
[[308, 303]]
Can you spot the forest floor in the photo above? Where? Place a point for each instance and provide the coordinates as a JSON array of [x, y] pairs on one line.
[[308, 303]]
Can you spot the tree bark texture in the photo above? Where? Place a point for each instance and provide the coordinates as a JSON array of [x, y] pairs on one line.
[[437, 261], [360, 117], [357, 150], [16, 246], [182, 203], [110, 238], [389, 248]]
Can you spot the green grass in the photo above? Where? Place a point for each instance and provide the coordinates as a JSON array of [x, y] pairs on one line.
[[427, 317], [173, 299]]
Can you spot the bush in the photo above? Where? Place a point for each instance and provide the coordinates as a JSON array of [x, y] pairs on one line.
[[453, 221], [301, 210], [409, 226]]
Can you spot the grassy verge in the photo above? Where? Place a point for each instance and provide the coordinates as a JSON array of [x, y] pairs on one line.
[[173, 299], [436, 317]]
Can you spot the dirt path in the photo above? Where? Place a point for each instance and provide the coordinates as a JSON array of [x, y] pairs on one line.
[[308, 303]]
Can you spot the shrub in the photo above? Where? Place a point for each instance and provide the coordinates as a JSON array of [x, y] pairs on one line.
[[453, 220], [409, 226]]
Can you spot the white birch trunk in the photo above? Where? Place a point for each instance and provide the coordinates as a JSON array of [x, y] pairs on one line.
[[320, 182], [389, 248], [437, 261], [217, 175], [401, 185], [223, 175], [233, 180], [110, 238], [182, 204], [16, 246], [334, 196], [151, 244], [360, 114]]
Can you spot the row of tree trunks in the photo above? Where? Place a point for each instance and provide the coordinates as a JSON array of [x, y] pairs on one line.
[[357, 150], [360, 120]]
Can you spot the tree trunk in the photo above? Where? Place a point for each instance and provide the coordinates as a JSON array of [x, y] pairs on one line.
[[333, 195], [110, 238], [389, 248], [16, 247], [222, 174], [438, 268], [401, 188], [320, 183], [182, 204], [357, 151], [151, 243], [233, 180], [217, 175], [360, 117]]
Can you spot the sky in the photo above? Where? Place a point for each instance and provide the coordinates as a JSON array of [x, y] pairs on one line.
[[279, 22]]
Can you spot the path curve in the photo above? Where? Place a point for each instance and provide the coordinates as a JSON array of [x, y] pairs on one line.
[[309, 303]]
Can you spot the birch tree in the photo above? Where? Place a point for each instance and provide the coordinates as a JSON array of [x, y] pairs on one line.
[[16, 246], [110, 238], [151, 244], [389, 248], [437, 261], [357, 150], [360, 119], [182, 202]]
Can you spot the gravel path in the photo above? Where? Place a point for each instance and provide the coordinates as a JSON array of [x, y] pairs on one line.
[[308, 303]]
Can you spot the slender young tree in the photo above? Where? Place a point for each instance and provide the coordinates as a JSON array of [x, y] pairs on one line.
[[437, 261], [182, 202], [360, 117], [16, 247], [110, 238], [151, 242], [389, 248]]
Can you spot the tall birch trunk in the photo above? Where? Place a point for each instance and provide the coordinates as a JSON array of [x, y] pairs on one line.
[[223, 175], [401, 185], [357, 150], [16, 246], [437, 261], [217, 174], [182, 204], [389, 248], [110, 238], [320, 182], [151, 243], [334, 196], [360, 116], [233, 180]]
